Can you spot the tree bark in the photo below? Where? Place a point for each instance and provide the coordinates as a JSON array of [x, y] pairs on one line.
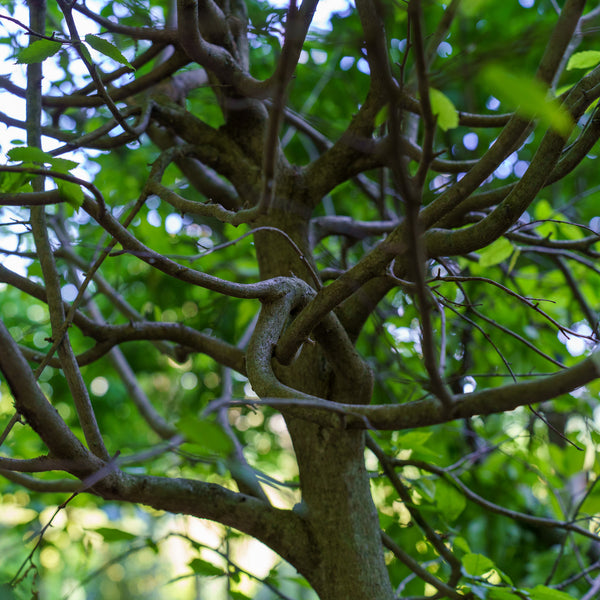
[[336, 497], [342, 518]]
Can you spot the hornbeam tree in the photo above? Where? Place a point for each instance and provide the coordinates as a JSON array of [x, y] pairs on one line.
[[329, 284]]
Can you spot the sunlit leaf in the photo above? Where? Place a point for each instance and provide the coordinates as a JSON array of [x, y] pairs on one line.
[[411, 439], [449, 501], [62, 164], [544, 210], [71, 192], [33, 154], [477, 564], [461, 544], [205, 434], [417, 442], [584, 60], [29, 154], [542, 592], [495, 253], [38, 51], [527, 96], [11, 183], [105, 47], [442, 107]]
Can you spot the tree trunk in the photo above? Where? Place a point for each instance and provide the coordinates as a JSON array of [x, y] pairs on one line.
[[338, 505], [336, 495]]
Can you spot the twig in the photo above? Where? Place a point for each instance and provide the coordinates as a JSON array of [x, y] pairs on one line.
[[529, 302], [16, 418], [419, 570], [495, 508], [435, 540], [66, 8]]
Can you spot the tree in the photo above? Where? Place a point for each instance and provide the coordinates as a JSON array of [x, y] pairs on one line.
[[259, 219]]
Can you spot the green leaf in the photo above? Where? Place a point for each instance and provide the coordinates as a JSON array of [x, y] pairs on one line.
[[412, 439], [541, 592], [86, 54], [544, 210], [449, 501], [382, 116], [202, 567], [72, 193], [477, 564], [495, 253], [461, 544], [497, 593], [513, 260], [10, 183], [34, 154], [206, 434], [527, 96], [63, 165], [38, 51], [105, 47], [584, 60], [29, 154], [417, 442], [441, 105], [112, 534]]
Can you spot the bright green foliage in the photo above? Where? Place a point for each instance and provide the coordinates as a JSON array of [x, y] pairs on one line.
[[527, 96], [39, 51], [72, 193], [31, 154], [496, 253], [584, 60], [442, 107], [105, 47]]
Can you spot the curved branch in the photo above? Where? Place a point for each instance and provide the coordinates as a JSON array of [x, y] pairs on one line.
[[32, 198], [445, 243], [41, 464], [214, 57], [57, 175], [201, 177], [191, 340], [260, 290], [212, 147], [282, 530], [421, 413], [570, 158], [40, 414], [41, 485]]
